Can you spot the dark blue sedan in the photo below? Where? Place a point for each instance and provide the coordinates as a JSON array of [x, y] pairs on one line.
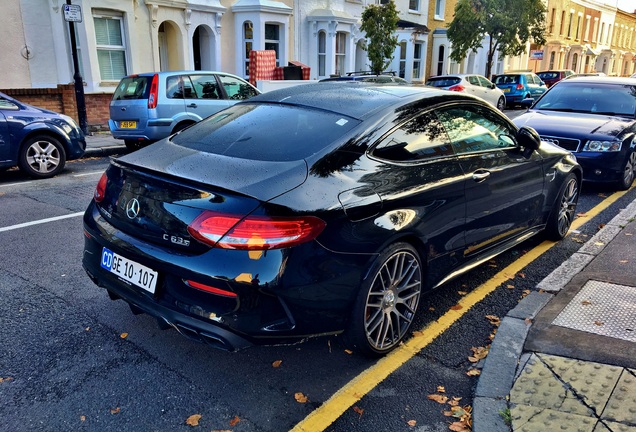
[[37, 140], [595, 118]]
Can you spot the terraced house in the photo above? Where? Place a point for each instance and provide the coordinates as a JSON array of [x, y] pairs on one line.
[[120, 37]]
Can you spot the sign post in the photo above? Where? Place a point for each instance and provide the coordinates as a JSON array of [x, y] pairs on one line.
[[73, 14]]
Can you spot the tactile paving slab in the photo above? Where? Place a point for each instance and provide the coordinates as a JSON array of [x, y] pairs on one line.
[[622, 405], [602, 308]]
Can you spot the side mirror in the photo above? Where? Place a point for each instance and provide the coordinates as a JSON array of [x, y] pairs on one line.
[[527, 103], [529, 139]]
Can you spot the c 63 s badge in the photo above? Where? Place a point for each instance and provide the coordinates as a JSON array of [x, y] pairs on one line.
[[176, 240]]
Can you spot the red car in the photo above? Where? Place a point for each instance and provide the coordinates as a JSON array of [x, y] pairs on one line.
[[552, 77]]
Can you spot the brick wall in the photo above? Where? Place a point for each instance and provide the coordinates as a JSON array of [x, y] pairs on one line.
[[62, 100]]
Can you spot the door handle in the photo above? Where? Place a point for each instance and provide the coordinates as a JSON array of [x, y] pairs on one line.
[[480, 176], [192, 105]]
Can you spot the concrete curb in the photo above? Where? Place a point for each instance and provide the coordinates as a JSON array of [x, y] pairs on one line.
[[104, 151], [504, 358]]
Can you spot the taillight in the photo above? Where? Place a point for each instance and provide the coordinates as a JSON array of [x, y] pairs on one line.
[[154, 90], [210, 289], [458, 88], [100, 190], [519, 86], [254, 232]]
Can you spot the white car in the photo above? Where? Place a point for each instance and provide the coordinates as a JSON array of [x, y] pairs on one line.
[[476, 85]]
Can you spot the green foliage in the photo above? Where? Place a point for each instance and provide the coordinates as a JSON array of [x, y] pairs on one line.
[[510, 24], [379, 22], [506, 416]]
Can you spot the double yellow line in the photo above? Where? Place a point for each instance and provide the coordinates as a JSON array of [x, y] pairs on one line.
[[354, 390]]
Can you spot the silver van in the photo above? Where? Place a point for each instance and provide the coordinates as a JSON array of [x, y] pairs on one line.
[[150, 106]]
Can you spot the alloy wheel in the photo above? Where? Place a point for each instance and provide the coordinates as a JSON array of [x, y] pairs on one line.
[[43, 157], [567, 207]]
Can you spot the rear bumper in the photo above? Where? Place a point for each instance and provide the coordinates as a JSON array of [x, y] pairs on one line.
[[154, 130]]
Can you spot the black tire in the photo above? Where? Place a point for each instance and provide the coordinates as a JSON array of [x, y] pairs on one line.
[[181, 126], [564, 210], [42, 156], [501, 103], [629, 171], [387, 302], [133, 145]]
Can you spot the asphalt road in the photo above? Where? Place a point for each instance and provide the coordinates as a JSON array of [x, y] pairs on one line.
[[71, 359]]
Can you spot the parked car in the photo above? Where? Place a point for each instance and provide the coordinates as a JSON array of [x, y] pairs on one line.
[[150, 106], [233, 233], [552, 77], [593, 117], [520, 86], [475, 85], [39, 141], [369, 77]]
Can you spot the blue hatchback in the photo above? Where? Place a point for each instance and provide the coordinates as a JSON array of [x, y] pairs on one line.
[[520, 86], [37, 140]]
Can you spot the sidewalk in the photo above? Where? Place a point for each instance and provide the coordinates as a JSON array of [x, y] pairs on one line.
[[564, 359], [103, 144]]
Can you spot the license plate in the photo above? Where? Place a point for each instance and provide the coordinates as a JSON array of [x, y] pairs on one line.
[[129, 270], [506, 90], [127, 125]]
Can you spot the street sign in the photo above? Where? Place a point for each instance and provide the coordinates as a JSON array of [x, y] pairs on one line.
[[72, 13], [536, 55]]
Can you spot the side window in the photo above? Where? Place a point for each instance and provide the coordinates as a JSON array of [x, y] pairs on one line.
[[473, 80], [189, 92], [484, 82], [174, 87], [237, 89], [418, 139], [206, 86], [475, 129], [7, 105]]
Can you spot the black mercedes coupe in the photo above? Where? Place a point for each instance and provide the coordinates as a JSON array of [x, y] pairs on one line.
[[320, 209]]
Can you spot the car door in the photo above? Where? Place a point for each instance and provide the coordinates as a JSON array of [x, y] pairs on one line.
[[420, 181], [6, 109], [490, 94], [475, 88], [535, 85], [203, 95], [504, 188], [236, 89]]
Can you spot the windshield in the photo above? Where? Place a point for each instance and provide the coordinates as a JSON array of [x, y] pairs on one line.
[[134, 87], [266, 132], [443, 81], [507, 79], [600, 98]]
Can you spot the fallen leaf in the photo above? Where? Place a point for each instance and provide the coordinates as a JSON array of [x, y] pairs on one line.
[[87, 329], [456, 307], [462, 292], [7, 379], [454, 402], [458, 427], [193, 420], [300, 398], [123, 335], [411, 423], [601, 226], [525, 293], [494, 319], [586, 302], [602, 195], [522, 275], [418, 333], [440, 399], [479, 353], [349, 351], [277, 363], [581, 215], [599, 244], [431, 309], [528, 321], [447, 413], [492, 265], [623, 261], [628, 234], [599, 323], [510, 286], [115, 410], [358, 410], [235, 421], [441, 389], [83, 418], [473, 372]]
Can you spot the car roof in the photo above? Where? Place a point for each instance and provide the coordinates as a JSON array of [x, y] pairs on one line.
[[601, 80], [177, 72], [354, 99]]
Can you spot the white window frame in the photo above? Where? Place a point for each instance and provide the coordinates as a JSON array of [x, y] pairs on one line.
[[101, 15], [273, 41], [417, 61], [322, 54], [246, 53], [417, 6], [341, 56], [440, 5]]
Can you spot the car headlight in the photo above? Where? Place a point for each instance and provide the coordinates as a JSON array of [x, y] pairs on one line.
[[602, 146], [70, 124]]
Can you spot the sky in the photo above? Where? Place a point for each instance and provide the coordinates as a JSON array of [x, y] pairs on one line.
[[626, 5]]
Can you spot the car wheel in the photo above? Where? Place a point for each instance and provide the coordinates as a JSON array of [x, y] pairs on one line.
[[387, 301], [563, 212], [42, 156], [181, 126], [628, 172], [133, 145], [501, 103]]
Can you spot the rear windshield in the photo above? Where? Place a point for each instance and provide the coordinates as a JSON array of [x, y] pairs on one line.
[[548, 75], [443, 82], [507, 79], [267, 132], [136, 87]]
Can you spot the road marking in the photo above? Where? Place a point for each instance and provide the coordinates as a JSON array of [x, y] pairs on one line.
[[16, 184], [88, 174], [41, 221], [321, 418]]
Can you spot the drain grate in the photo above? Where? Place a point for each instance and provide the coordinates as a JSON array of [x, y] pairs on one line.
[[602, 308]]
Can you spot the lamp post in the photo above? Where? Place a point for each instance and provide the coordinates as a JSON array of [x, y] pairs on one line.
[[73, 14]]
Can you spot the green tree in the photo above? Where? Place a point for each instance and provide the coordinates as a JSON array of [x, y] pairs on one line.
[[379, 22], [507, 24]]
